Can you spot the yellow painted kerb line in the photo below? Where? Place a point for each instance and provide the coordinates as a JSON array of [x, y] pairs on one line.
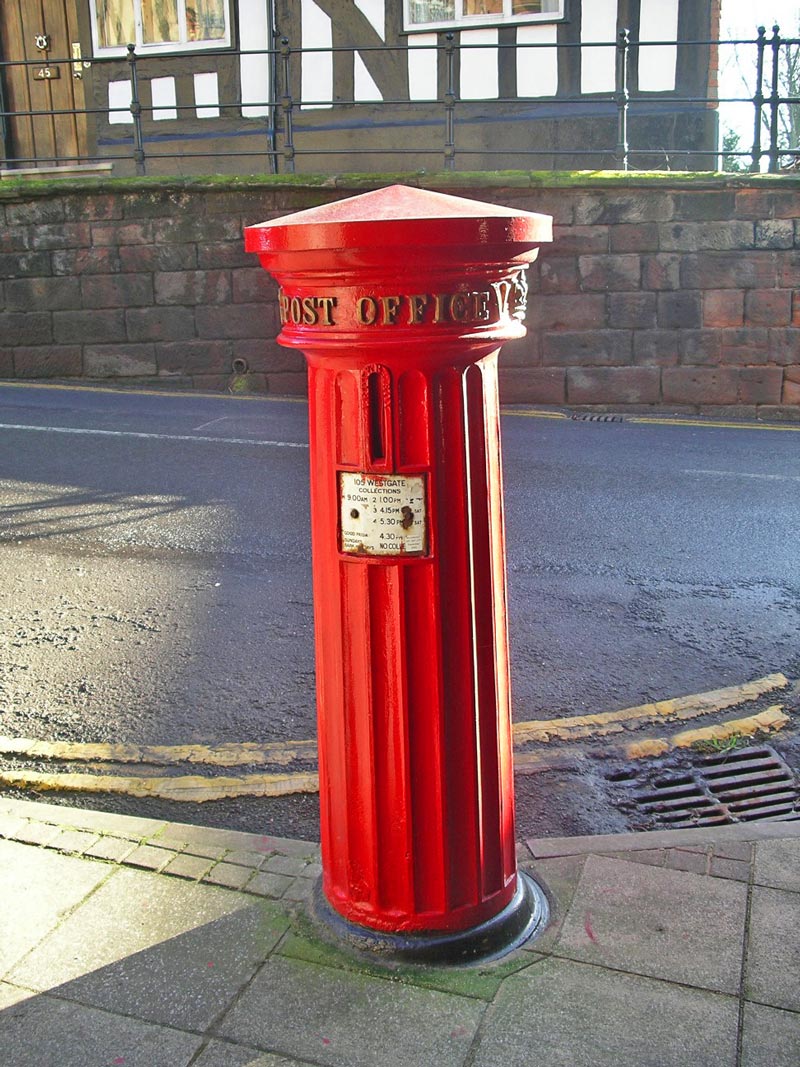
[[652, 420], [679, 708], [190, 394], [765, 721], [533, 414], [228, 755], [283, 753], [198, 788], [662, 420], [183, 394], [186, 787]]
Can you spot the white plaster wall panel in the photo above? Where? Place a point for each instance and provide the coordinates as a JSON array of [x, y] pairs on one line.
[[598, 65], [164, 99], [479, 72], [658, 63], [254, 70], [364, 87], [537, 68], [317, 71], [206, 95], [119, 102], [423, 66], [375, 12]]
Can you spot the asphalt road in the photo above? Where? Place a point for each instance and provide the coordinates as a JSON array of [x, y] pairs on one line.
[[155, 576]]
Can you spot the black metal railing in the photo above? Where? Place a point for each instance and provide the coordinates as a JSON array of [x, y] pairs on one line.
[[281, 150]]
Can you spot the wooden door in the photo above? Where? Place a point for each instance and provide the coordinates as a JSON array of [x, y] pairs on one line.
[[44, 32]]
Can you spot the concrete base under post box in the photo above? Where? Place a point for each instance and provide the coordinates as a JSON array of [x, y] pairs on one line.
[[524, 917]]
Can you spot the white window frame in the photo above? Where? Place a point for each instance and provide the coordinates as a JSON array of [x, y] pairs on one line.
[[460, 21], [142, 49]]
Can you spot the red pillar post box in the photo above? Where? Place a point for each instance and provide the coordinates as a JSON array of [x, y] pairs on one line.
[[400, 300]]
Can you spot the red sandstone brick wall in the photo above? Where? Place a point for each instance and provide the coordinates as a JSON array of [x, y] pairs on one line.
[[658, 293], [684, 298]]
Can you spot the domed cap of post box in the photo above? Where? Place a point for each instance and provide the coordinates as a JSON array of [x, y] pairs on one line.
[[377, 225]]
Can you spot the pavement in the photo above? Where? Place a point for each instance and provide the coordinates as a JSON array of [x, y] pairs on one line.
[[140, 943]]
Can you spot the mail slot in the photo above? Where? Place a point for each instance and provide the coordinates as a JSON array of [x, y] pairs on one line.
[[400, 299]]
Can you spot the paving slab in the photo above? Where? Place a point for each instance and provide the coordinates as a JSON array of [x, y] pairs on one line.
[[773, 956], [269, 885], [641, 965], [771, 1038], [777, 864], [564, 1014], [289, 865], [160, 949], [37, 889], [230, 875], [734, 850], [183, 836], [679, 859], [480, 983], [191, 867], [180, 835], [10, 824], [37, 1030], [75, 841], [223, 1054], [719, 836], [674, 925], [300, 890], [246, 858], [150, 858], [559, 877], [341, 1017], [114, 849], [655, 857], [84, 818], [721, 867], [11, 994], [36, 833]]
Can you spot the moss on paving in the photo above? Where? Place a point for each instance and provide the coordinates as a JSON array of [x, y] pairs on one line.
[[306, 943]]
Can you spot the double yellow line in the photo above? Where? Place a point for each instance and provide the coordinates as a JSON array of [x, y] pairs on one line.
[[662, 420], [199, 788]]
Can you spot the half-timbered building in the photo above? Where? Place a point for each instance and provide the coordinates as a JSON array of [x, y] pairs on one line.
[[249, 86]]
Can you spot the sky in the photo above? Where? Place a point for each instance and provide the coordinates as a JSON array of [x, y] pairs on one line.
[[743, 16], [741, 19]]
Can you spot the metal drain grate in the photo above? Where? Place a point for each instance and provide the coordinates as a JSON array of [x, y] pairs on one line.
[[727, 788], [598, 418]]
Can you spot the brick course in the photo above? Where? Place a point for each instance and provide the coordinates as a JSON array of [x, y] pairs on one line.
[[700, 385], [119, 361], [537, 385], [192, 287], [613, 385], [760, 385], [48, 361], [27, 328], [679, 311], [723, 307], [791, 386], [655, 348], [31, 294], [591, 349], [89, 326], [656, 293]]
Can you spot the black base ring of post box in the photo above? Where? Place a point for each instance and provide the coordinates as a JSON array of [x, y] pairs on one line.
[[525, 915]]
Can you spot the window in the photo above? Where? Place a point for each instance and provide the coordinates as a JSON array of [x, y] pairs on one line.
[[162, 25], [462, 14]]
